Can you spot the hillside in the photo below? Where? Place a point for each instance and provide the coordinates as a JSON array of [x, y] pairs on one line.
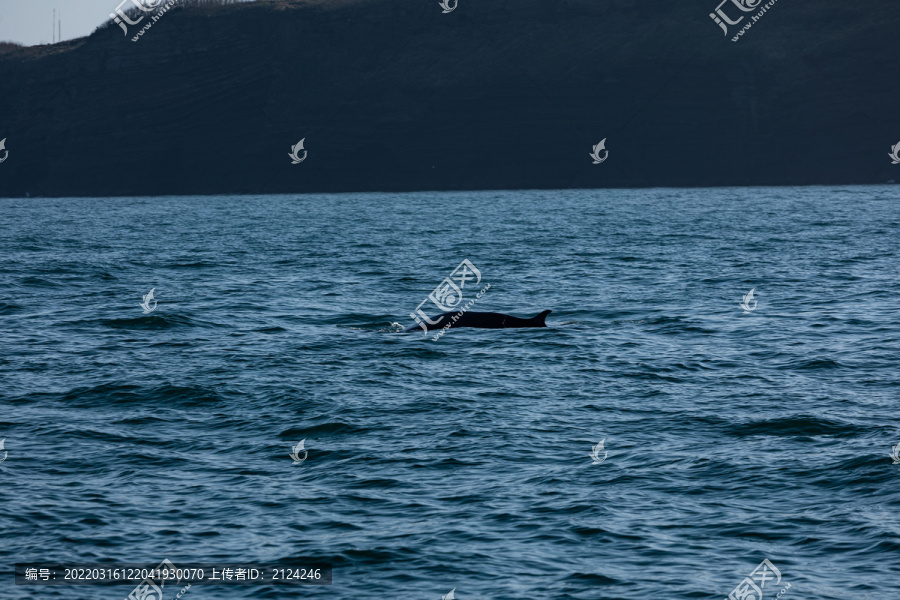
[[396, 95]]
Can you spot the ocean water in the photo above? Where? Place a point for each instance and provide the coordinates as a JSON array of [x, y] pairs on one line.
[[730, 436]]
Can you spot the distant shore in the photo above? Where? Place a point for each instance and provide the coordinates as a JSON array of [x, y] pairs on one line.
[[398, 97]]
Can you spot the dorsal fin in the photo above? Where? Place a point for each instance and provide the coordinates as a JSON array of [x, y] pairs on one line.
[[539, 320]]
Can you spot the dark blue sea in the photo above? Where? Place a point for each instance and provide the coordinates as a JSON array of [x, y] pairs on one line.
[[731, 436]]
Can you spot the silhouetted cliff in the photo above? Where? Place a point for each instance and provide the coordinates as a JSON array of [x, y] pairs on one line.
[[397, 95]]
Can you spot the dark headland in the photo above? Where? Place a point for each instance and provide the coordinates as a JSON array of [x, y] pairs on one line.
[[498, 94]]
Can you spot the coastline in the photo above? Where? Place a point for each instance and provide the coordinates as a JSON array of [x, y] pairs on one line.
[[414, 100]]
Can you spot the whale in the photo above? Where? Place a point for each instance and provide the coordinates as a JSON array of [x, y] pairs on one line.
[[481, 320]]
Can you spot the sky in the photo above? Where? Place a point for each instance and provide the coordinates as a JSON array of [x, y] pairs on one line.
[[30, 22]]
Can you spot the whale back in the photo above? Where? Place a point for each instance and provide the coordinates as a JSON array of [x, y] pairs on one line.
[[483, 320], [489, 320]]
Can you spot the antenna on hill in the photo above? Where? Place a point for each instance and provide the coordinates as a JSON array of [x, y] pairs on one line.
[[56, 29]]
